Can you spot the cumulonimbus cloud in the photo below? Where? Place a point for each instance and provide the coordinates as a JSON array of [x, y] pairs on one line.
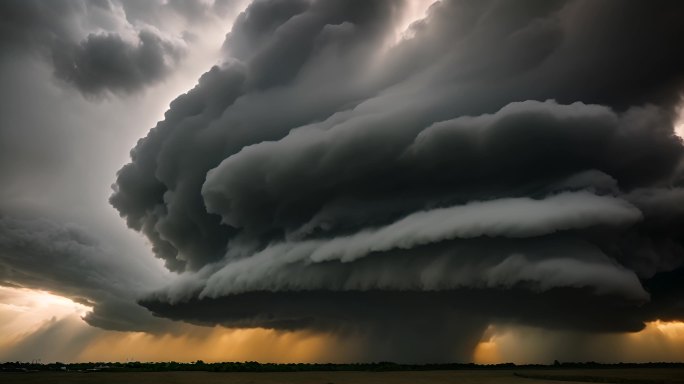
[[502, 159]]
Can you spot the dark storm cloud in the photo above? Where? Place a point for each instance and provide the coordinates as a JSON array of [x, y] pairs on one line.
[[107, 62], [103, 46], [221, 100], [63, 259], [508, 162]]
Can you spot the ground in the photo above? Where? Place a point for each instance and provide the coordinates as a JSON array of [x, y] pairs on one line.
[[625, 376]]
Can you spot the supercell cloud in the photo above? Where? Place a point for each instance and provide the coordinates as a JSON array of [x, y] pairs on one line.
[[502, 162]]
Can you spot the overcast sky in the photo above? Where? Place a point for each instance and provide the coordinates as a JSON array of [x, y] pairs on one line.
[[288, 180]]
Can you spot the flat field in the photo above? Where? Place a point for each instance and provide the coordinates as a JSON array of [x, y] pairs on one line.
[[622, 376]]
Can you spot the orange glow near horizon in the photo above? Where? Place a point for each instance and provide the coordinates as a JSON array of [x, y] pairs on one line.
[[670, 328], [27, 313], [486, 352], [658, 341], [39, 324], [666, 337], [210, 345]]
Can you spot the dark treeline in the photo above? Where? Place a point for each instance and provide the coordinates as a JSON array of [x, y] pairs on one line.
[[253, 366]]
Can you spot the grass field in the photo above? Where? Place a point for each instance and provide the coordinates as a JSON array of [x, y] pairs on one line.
[[636, 376]]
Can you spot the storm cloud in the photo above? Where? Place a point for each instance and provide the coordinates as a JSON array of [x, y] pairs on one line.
[[104, 47], [80, 269], [500, 162]]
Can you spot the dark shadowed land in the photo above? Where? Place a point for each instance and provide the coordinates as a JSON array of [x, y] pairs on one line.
[[383, 366], [380, 373], [482, 376]]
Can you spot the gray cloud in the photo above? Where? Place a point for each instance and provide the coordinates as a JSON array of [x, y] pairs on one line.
[[432, 162], [41, 254], [199, 234], [101, 47], [107, 62], [287, 267], [507, 162], [59, 151]]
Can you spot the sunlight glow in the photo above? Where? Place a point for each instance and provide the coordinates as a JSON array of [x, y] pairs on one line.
[[25, 313], [486, 352], [679, 123], [669, 328], [658, 341], [210, 345], [24, 309], [414, 11], [660, 331]]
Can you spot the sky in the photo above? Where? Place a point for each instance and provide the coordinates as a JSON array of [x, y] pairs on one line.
[[335, 181]]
